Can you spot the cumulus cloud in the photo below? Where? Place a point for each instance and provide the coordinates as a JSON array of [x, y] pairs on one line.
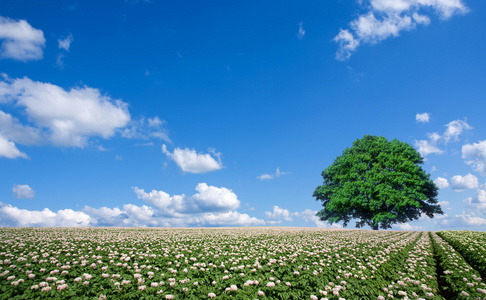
[[139, 216], [454, 129], [144, 216], [445, 204], [372, 30], [129, 215], [231, 218], [441, 183], [460, 183], [23, 191], [427, 147], [277, 215], [66, 42], [12, 129], [277, 174], [422, 118], [68, 118], [208, 199], [478, 202], [9, 150], [383, 19], [14, 216], [192, 162], [475, 156], [309, 216], [466, 219], [105, 216], [408, 227], [20, 41], [301, 32]]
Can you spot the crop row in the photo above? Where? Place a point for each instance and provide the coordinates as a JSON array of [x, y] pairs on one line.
[[272, 263], [471, 245], [414, 274], [461, 280], [222, 263]]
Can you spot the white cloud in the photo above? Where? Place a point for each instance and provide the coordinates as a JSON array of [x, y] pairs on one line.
[[277, 215], [478, 202], [391, 5], [454, 129], [231, 218], [301, 33], [22, 191], [372, 30], [155, 122], [475, 155], [105, 216], [12, 129], [347, 44], [191, 161], [441, 183], [13, 216], [9, 150], [421, 19], [434, 137], [427, 147], [139, 216], [146, 129], [129, 216], [20, 40], [423, 118], [408, 227], [387, 18], [68, 117], [60, 60], [211, 206], [265, 176], [445, 8], [309, 216], [208, 199], [466, 219], [66, 42], [445, 204], [277, 174], [460, 183]]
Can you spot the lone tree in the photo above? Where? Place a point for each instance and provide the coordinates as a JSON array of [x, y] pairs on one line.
[[379, 183]]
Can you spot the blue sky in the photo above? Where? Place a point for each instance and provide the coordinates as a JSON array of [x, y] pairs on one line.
[[179, 113]]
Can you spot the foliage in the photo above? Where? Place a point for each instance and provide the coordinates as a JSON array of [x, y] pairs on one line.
[[379, 183]]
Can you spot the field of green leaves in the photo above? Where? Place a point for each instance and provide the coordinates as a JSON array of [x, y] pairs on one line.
[[240, 263]]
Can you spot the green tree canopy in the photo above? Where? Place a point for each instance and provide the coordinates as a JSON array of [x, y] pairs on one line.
[[378, 183]]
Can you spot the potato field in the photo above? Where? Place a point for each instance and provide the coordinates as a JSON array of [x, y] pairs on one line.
[[240, 263]]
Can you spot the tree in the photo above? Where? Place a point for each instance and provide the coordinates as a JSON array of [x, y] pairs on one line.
[[379, 183]]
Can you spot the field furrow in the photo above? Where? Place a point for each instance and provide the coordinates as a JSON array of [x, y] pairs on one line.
[[461, 281], [471, 245]]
